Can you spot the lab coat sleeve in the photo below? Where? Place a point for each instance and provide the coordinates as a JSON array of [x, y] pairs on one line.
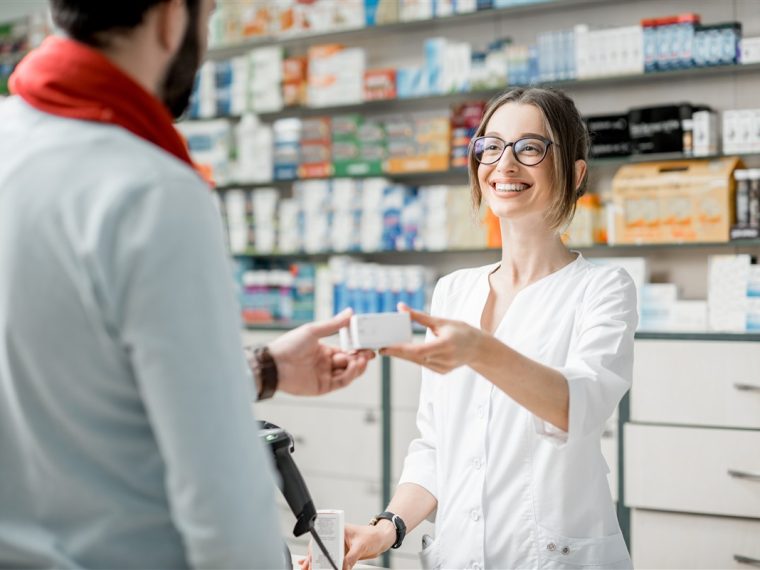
[[421, 460], [599, 365], [174, 311]]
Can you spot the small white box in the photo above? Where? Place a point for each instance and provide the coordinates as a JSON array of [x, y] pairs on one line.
[[689, 316], [749, 50], [376, 330], [730, 132], [330, 526], [705, 129]]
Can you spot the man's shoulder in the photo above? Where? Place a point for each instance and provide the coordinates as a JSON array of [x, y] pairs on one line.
[[91, 146]]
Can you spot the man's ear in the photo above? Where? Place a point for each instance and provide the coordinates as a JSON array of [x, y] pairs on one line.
[[581, 168], [171, 19]]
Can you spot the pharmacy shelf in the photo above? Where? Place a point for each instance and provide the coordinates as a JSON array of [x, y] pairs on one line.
[[633, 249], [303, 40], [640, 335], [274, 326], [409, 178], [432, 101], [704, 336], [459, 175]]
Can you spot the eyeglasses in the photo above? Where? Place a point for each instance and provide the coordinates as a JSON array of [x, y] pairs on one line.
[[528, 151]]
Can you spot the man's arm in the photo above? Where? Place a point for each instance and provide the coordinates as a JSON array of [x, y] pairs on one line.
[[176, 315]]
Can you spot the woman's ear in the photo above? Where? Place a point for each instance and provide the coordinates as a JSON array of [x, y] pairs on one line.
[[581, 169]]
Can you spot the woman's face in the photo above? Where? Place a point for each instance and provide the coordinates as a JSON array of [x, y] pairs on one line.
[[512, 190]]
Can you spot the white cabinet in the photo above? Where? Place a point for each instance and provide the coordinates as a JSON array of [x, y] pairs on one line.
[[671, 540], [692, 454], [698, 470], [697, 383]]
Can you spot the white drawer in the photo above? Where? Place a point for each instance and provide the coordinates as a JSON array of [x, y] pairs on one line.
[[330, 441], [687, 469], [694, 383], [669, 540]]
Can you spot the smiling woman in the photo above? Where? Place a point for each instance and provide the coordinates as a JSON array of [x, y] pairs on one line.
[[549, 116], [523, 363]]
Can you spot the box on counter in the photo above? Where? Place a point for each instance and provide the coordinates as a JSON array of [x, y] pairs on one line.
[[727, 284], [672, 202]]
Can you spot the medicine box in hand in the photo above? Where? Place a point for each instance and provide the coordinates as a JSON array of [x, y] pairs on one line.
[[376, 330], [330, 526]]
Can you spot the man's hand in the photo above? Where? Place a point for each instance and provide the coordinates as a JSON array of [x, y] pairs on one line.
[[306, 367]]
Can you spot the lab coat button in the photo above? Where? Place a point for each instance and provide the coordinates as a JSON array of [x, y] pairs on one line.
[[551, 547], [475, 515], [481, 411], [477, 463], [476, 566], [565, 550]]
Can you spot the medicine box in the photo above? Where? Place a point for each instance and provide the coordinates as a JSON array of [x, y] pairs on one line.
[[673, 202]]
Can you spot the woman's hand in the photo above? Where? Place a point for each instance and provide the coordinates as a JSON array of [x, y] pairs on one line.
[[455, 345], [362, 542]]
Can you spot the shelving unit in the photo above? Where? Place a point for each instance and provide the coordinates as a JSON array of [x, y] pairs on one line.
[[459, 175], [600, 249], [412, 104], [391, 387], [382, 30]]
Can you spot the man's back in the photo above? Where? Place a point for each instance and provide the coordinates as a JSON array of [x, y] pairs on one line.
[[117, 331]]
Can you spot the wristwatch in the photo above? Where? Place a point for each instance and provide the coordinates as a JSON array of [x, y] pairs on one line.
[[264, 370], [397, 521]]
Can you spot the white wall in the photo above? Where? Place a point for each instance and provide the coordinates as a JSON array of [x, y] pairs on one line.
[[13, 9]]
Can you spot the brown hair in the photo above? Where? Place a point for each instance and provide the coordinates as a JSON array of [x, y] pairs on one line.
[[565, 127]]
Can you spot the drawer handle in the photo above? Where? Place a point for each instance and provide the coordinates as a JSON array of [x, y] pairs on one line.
[[744, 475], [746, 387], [747, 560]]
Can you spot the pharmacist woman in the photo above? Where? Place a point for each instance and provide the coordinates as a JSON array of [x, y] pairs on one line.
[[524, 362]]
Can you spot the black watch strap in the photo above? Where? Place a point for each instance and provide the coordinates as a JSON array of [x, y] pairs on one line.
[[397, 521]]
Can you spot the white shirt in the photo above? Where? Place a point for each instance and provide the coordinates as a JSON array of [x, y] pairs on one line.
[[126, 437], [514, 491]]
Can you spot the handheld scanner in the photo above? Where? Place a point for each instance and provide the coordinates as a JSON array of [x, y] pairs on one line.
[[292, 485]]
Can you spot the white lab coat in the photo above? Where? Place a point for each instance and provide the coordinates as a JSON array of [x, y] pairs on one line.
[[514, 491]]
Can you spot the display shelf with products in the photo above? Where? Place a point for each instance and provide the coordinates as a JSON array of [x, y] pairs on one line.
[[594, 249], [459, 175], [424, 102], [640, 335], [305, 38]]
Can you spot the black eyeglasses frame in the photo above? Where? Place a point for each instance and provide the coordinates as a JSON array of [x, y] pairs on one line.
[[512, 144]]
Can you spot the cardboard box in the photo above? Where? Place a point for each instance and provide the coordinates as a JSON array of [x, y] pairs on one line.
[[674, 202]]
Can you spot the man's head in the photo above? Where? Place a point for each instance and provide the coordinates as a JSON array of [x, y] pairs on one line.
[[103, 24]]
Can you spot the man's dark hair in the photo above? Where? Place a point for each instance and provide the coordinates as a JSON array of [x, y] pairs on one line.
[[91, 21]]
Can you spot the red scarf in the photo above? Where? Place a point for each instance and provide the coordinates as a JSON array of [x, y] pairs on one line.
[[69, 79]]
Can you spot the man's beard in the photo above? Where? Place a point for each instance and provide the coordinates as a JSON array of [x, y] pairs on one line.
[[180, 77]]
